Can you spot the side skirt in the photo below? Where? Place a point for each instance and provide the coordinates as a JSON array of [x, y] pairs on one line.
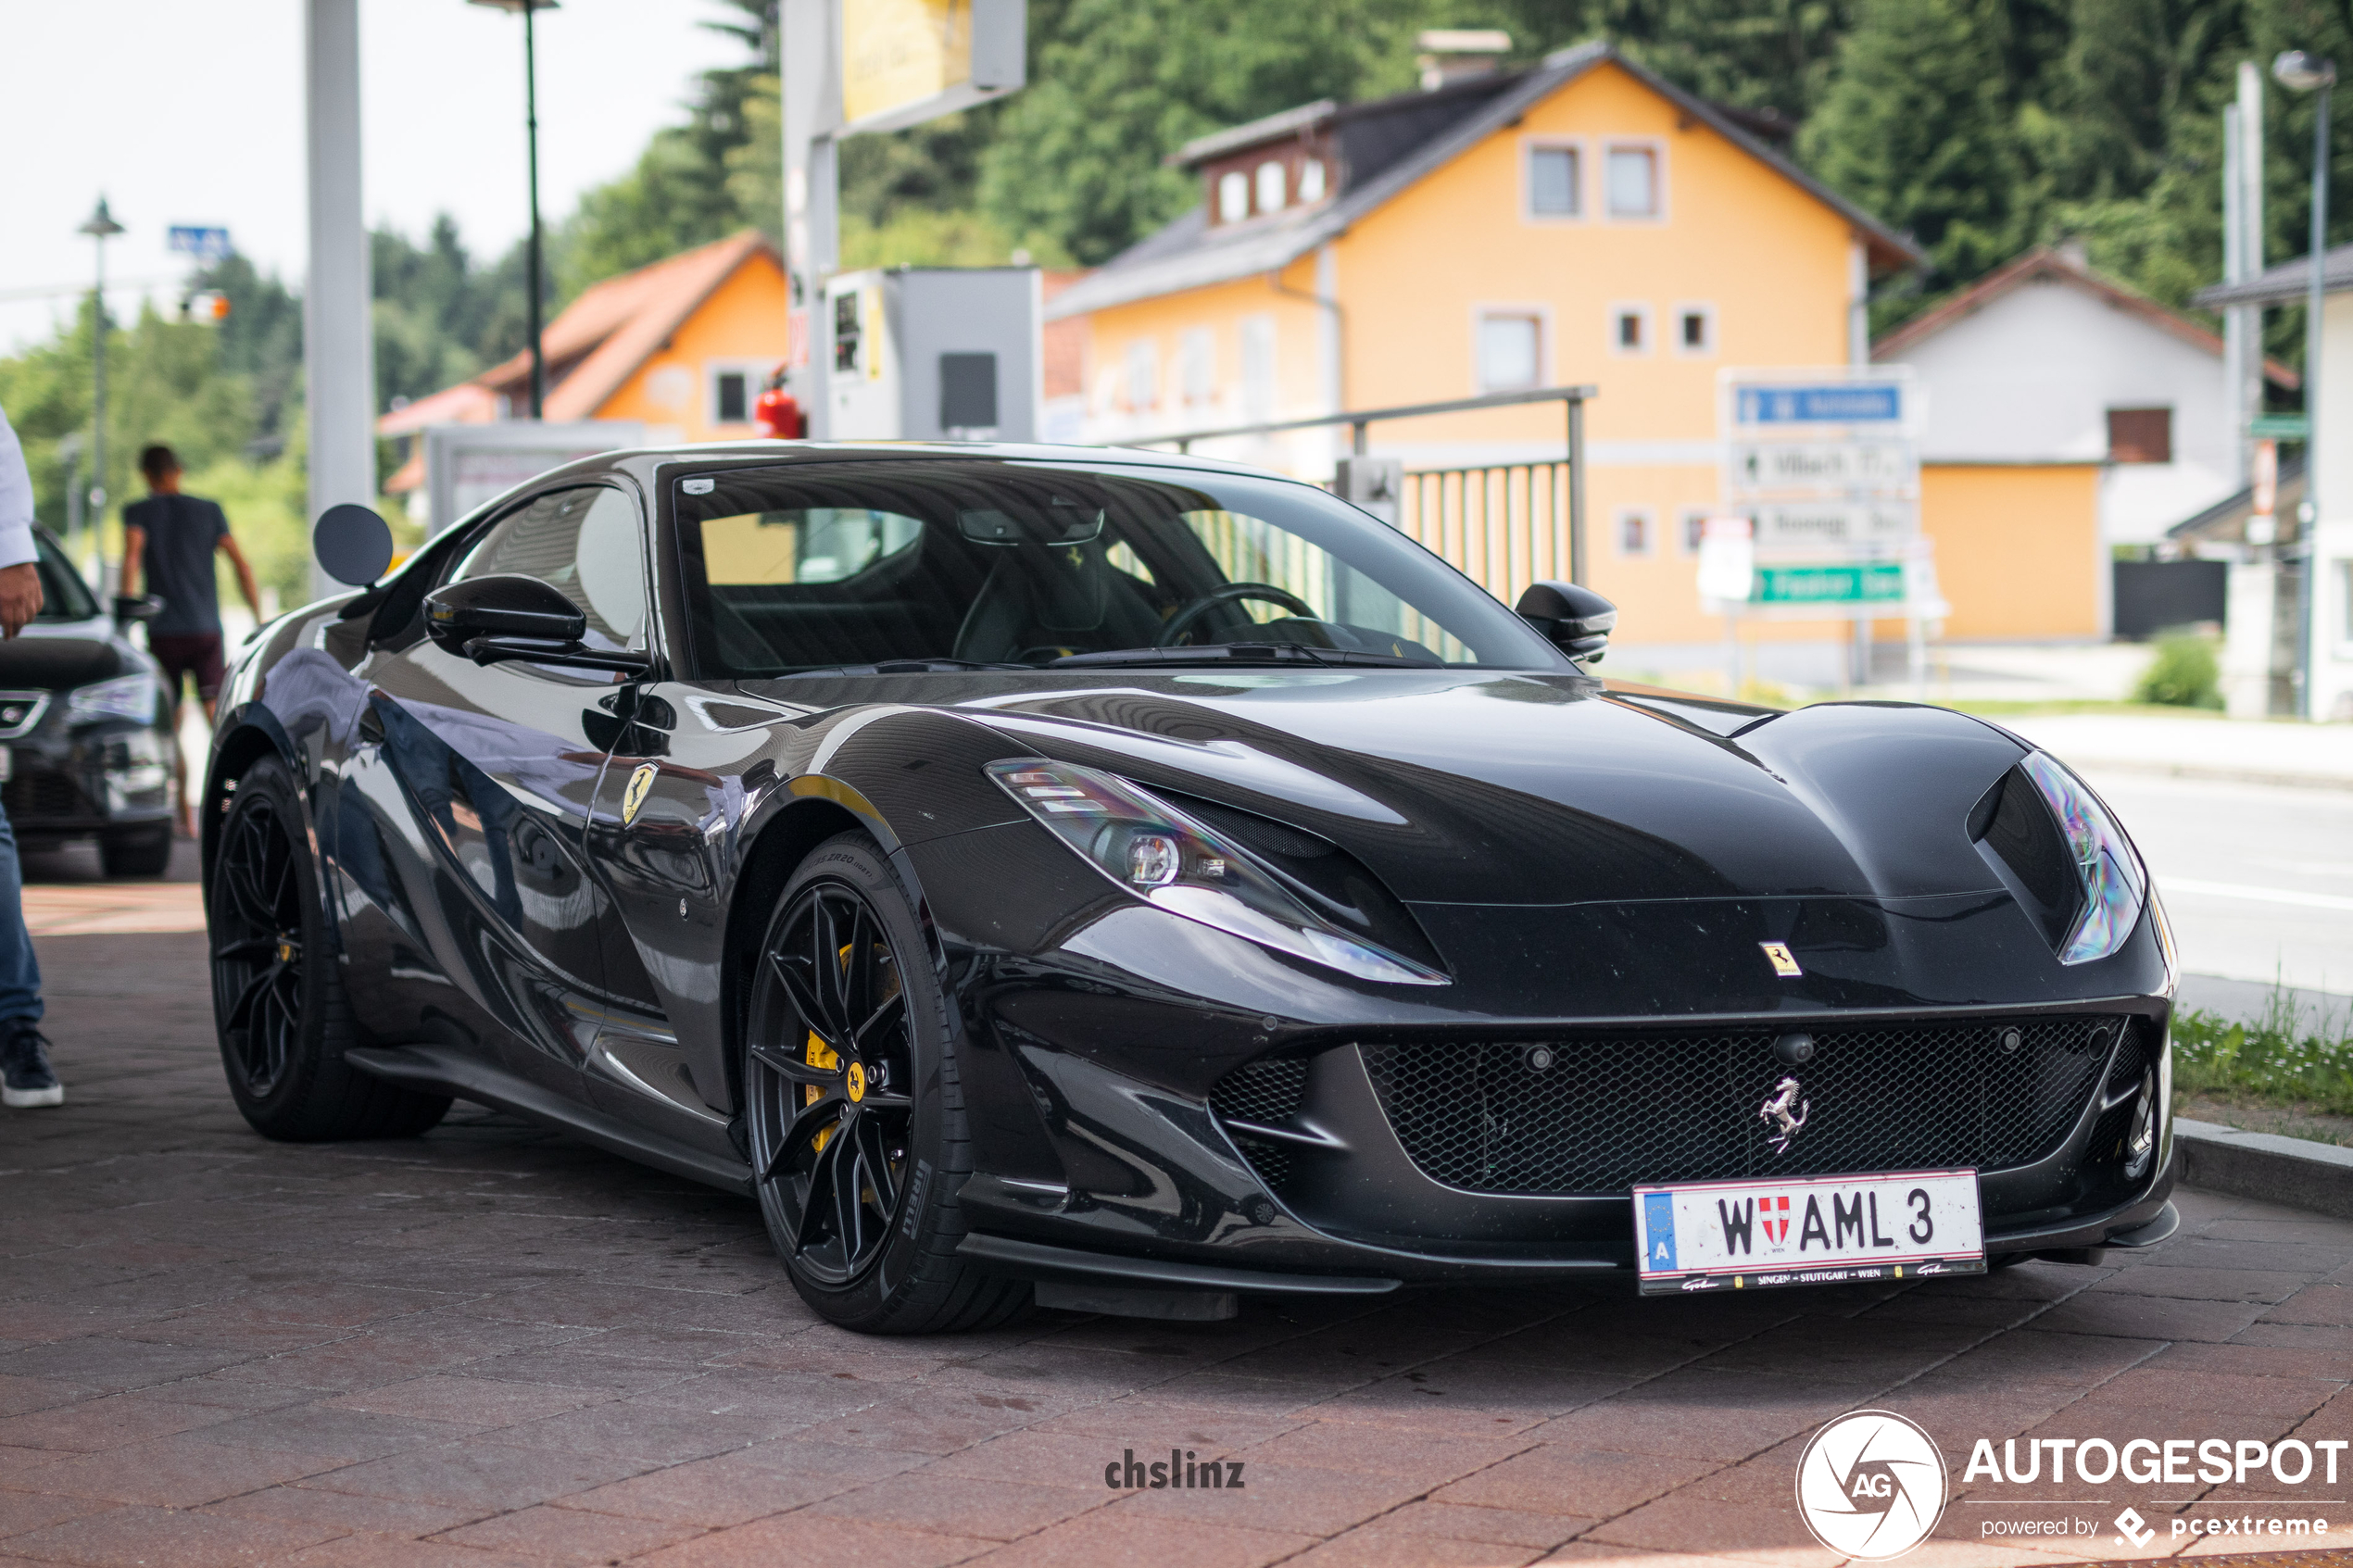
[[442, 1070]]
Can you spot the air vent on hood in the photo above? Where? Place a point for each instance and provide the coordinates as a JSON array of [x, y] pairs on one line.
[[2021, 841]]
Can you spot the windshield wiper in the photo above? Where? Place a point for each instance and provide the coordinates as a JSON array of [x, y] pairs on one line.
[[1240, 653]]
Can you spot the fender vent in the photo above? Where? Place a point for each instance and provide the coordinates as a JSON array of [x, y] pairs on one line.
[[1267, 1092]]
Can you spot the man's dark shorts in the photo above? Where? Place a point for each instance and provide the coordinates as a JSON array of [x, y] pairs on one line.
[[190, 653]]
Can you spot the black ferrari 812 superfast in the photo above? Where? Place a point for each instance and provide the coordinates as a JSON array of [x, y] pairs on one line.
[[1127, 882]]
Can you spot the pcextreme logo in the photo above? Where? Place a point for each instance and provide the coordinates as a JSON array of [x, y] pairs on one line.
[[1870, 1485]]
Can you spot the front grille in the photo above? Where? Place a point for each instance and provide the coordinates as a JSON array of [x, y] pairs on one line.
[[1603, 1114], [41, 794], [1266, 1091]]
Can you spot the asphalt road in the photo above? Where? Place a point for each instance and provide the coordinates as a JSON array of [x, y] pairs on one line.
[[2257, 879]]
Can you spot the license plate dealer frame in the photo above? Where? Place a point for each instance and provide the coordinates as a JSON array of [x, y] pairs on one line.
[[1760, 1233]]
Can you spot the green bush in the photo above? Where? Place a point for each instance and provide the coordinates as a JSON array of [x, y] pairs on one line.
[[2282, 1055], [2184, 675]]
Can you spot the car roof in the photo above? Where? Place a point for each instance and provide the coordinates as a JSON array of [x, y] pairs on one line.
[[648, 459]]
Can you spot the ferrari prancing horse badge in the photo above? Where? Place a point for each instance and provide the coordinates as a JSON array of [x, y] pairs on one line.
[[641, 784]]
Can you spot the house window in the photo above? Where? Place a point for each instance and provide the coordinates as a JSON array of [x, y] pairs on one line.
[[1629, 329], [1635, 530], [1510, 351], [729, 388], [1271, 181], [1311, 182], [1633, 182], [1694, 529], [1696, 328], [1197, 361], [1143, 375], [731, 398], [2140, 435], [1554, 189], [1233, 197]]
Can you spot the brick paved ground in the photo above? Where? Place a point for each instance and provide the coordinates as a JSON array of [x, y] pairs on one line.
[[495, 1345]]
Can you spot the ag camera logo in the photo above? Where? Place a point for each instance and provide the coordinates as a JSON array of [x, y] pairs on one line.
[[1870, 1485]]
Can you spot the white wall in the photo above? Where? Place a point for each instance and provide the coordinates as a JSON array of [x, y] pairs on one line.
[[2029, 378]]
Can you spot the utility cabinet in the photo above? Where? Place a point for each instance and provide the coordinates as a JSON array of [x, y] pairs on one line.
[[931, 353]]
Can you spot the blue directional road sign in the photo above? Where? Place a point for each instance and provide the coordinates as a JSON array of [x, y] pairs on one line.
[[204, 244]]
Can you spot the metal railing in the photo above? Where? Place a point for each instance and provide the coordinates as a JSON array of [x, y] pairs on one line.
[[1504, 525]]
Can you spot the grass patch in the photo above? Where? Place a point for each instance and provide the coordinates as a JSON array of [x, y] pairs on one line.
[[2289, 1059]]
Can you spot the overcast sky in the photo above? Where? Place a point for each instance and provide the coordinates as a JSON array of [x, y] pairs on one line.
[[187, 113]]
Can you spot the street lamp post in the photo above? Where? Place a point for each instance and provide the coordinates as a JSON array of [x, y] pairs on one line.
[[101, 228], [2300, 72], [531, 156]]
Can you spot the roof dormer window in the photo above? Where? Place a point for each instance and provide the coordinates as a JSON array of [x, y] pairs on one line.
[[1273, 179], [1233, 197]]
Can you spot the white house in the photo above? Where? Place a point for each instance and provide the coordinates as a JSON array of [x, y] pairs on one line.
[[2047, 362]]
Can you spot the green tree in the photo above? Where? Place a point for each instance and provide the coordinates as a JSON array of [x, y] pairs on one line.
[[1116, 85], [1920, 129]]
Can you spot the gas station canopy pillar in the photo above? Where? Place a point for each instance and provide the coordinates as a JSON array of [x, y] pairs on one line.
[[338, 358]]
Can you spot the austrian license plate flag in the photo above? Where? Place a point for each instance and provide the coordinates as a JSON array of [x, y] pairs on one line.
[[1807, 1230]]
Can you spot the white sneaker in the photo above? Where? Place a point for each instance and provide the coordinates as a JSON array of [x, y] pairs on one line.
[[26, 1080]]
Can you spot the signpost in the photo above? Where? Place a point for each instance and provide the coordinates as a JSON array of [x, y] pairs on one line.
[[1823, 466], [204, 244], [856, 66]]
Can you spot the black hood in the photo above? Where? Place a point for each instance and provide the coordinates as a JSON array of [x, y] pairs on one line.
[[42, 661], [1462, 787]]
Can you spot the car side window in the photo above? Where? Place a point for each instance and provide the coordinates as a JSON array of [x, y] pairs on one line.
[[586, 544]]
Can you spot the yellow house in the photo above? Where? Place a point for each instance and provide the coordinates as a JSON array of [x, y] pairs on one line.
[[684, 344], [1581, 223]]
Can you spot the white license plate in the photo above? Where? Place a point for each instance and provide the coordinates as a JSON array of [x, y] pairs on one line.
[[1807, 1230]]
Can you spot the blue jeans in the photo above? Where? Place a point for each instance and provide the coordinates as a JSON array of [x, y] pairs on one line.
[[19, 970]]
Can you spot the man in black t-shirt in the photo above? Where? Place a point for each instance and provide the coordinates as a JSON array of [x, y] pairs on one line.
[[168, 541]]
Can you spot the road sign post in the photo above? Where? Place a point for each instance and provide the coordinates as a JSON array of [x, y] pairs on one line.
[[1825, 465]]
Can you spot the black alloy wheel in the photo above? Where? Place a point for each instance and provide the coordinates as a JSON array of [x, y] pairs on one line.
[[853, 1116], [256, 945], [277, 1000], [832, 1072]]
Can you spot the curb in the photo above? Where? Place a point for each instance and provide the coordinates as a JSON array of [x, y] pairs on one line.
[[2296, 1171]]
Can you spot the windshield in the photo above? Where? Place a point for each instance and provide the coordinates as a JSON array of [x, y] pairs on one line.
[[64, 596], [983, 561]]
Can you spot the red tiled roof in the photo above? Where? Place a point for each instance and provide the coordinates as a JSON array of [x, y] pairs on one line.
[[467, 403], [601, 338], [2048, 262]]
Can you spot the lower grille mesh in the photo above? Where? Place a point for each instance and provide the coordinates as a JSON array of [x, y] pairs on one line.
[[1599, 1115], [1266, 1091]]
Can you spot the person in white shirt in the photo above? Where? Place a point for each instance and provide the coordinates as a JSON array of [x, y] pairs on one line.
[[26, 1079]]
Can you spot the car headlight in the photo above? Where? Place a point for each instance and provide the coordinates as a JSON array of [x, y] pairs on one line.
[[1152, 850], [126, 697], [2106, 866]]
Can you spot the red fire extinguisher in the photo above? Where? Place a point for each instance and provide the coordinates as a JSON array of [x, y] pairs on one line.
[[778, 412]]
